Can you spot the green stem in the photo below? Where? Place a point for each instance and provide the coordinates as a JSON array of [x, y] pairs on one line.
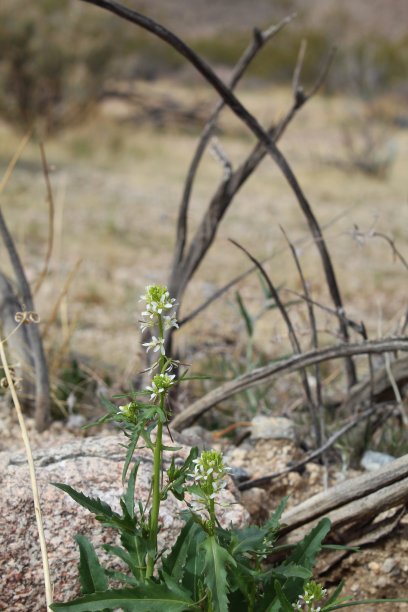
[[157, 466], [154, 515]]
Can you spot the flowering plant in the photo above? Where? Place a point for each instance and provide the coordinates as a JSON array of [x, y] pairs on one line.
[[209, 568]]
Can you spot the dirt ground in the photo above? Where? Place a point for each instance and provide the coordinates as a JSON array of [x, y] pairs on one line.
[[117, 184]]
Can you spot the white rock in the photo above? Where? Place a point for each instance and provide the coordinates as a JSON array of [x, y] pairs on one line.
[[273, 428], [372, 460]]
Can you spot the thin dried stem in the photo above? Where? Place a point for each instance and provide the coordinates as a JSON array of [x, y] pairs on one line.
[[314, 335], [33, 480], [313, 455], [292, 337], [51, 208], [14, 160], [61, 296]]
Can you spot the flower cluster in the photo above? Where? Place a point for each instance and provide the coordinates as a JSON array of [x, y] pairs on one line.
[[158, 302], [208, 480], [161, 383], [312, 594], [129, 411]]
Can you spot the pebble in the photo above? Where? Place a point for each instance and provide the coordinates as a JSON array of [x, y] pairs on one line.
[[373, 460], [272, 428], [388, 565]]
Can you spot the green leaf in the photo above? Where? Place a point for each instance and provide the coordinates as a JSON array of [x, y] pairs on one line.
[[362, 603], [91, 573], [249, 321], [129, 496], [215, 573], [148, 597], [175, 563], [304, 555], [273, 523], [305, 551], [129, 453], [292, 571], [93, 504], [286, 606]]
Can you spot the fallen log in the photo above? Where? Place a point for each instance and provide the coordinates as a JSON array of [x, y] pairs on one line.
[[353, 505]]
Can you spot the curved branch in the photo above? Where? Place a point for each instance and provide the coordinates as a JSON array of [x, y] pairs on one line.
[[292, 364], [250, 121], [258, 42], [42, 399]]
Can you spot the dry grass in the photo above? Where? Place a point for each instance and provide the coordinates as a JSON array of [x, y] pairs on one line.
[[117, 188]]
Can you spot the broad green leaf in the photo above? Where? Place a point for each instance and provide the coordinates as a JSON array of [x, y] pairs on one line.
[[305, 551], [193, 575], [175, 563], [121, 577], [136, 545], [91, 573], [148, 597], [93, 504], [215, 573]]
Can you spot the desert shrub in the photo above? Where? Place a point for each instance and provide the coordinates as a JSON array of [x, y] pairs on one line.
[[54, 62], [57, 59]]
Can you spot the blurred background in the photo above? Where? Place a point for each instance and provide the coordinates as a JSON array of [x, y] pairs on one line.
[[120, 114]]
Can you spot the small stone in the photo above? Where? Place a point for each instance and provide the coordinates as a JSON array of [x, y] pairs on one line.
[[374, 567], [388, 565], [272, 428], [373, 460]]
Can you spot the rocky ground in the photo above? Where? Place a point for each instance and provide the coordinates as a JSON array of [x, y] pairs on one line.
[[378, 571]]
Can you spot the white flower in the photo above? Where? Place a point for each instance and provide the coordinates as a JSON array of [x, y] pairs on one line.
[[157, 344], [161, 383]]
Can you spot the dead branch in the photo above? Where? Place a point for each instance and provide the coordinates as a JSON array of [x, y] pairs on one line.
[[18, 342], [292, 364], [358, 500], [206, 231], [258, 42], [42, 395], [377, 387]]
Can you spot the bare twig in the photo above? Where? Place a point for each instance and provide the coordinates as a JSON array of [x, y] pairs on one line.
[[50, 202], [362, 236], [61, 296], [292, 337], [292, 364], [206, 231], [313, 329], [217, 294], [34, 487], [258, 41], [14, 160], [249, 484]]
